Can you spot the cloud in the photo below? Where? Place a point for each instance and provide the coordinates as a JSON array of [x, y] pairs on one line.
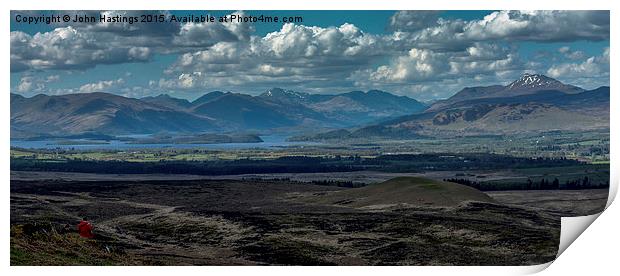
[[422, 53], [423, 65], [294, 54], [210, 33], [301, 41], [592, 66], [423, 48], [26, 84], [549, 26], [568, 53], [68, 48], [83, 46], [408, 21], [183, 81], [29, 83], [52, 78], [540, 26], [419, 64], [100, 86]]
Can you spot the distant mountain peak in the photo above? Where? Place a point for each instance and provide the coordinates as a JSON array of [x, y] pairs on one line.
[[273, 91], [527, 84], [163, 96], [279, 92], [375, 91], [534, 81]]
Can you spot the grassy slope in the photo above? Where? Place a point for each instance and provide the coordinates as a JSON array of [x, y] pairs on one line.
[[45, 246], [405, 190]]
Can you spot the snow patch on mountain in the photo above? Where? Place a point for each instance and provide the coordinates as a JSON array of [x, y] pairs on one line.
[[534, 81]]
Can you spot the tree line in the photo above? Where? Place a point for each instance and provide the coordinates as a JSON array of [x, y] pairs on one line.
[[542, 184], [294, 164]]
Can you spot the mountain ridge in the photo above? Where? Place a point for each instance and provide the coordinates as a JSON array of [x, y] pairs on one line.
[[527, 84], [544, 111], [215, 111], [532, 103]]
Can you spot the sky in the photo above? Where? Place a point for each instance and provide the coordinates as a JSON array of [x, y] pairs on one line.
[[426, 55]]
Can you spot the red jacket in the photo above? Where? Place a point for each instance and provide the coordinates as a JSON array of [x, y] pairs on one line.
[[85, 229]]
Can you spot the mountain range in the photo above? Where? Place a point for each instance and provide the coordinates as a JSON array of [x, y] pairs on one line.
[[532, 103], [217, 111]]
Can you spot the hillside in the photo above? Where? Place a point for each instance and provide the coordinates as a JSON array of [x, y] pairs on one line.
[[99, 112], [244, 111], [402, 192], [491, 110], [167, 101], [351, 108], [527, 84], [208, 97]]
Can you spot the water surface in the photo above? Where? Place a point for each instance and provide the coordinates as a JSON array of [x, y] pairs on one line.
[[269, 141]]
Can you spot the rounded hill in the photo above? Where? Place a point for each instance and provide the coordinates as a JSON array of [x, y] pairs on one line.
[[403, 191]]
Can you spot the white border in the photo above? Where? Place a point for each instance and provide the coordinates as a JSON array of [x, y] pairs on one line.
[[588, 250]]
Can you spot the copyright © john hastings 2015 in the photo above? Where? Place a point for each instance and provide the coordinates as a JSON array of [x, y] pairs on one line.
[[152, 18]]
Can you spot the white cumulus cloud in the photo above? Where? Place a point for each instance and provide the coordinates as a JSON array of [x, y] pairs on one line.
[[100, 86]]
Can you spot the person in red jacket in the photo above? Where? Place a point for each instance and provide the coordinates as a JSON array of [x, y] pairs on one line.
[[85, 228]]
